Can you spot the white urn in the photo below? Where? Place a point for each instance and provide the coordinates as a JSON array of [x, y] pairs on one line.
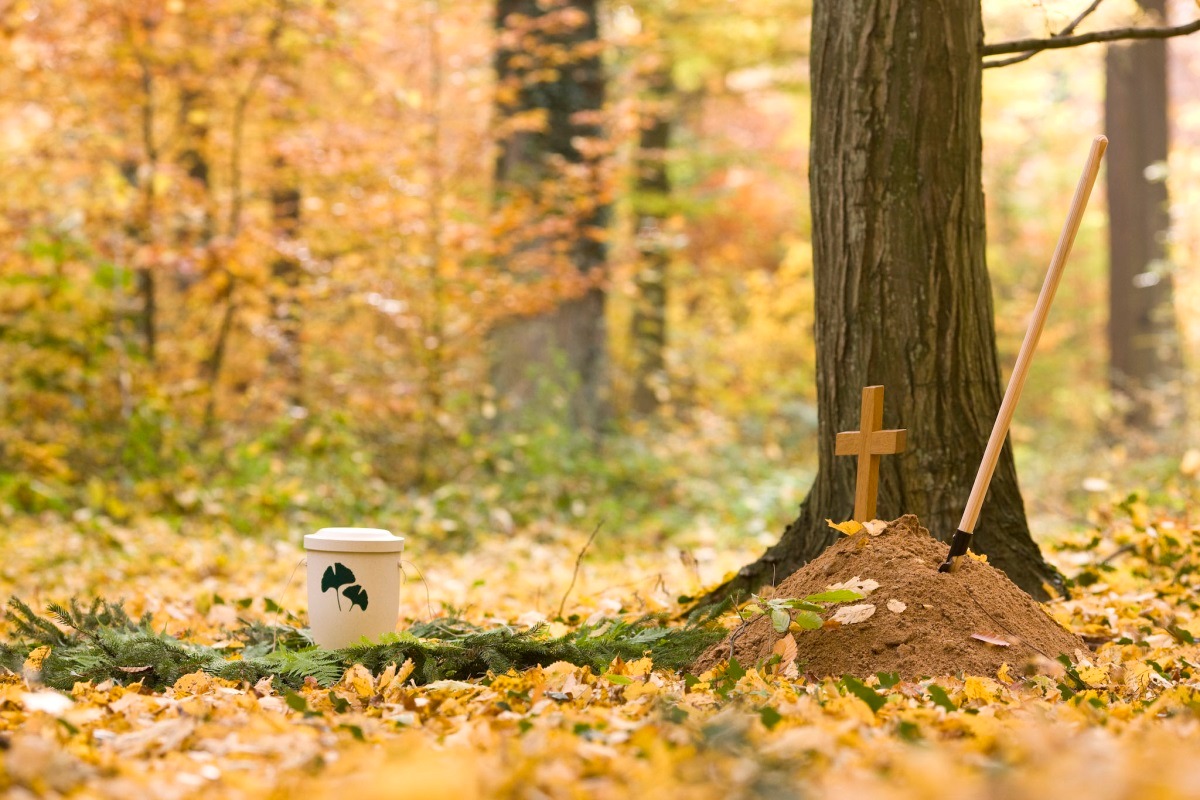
[[353, 584]]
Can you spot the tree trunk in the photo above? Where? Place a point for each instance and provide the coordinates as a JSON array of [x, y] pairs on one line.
[[549, 69], [1146, 363], [195, 226], [649, 325], [286, 276], [902, 291]]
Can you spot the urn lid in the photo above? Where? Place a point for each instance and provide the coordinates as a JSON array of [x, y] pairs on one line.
[[354, 540]]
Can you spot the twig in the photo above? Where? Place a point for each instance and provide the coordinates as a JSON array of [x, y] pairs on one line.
[[1002, 626], [275, 616], [428, 599], [1114, 35], [733, 637], [578, 562], [1004, 62], [1120, 551]]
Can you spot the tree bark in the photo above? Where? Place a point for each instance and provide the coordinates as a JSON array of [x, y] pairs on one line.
[[902, 291], [1145, 359], [653, 194], [548, 63]]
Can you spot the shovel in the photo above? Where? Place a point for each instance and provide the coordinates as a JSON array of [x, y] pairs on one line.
[[966, 528]]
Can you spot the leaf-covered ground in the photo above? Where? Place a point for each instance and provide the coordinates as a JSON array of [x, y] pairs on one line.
[[1121, 722]]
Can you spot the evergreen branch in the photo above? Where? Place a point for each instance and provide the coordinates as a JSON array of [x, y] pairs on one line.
[[104, 643]]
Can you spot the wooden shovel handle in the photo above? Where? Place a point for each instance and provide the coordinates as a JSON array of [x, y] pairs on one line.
[[1021, 369]]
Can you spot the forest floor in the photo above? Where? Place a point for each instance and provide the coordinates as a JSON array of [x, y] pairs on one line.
[[1122, 721]]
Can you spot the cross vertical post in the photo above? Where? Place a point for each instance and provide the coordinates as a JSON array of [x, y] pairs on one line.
[[869, 442]]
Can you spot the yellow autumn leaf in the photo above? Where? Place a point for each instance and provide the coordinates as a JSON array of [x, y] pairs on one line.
[[36, 658], [640, 689], [1095, 677], [639, 667], [980, 689], [359, 680], [849, 527], [196, 683]]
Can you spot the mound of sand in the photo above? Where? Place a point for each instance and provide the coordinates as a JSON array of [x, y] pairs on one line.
[[922, 623]]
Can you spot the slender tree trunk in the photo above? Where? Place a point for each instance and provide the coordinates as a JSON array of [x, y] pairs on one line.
[[195, 228], [1146, 363], [146, 282], [549, 69], [215, 362], [286, 275], [649, 326], [902, 291]]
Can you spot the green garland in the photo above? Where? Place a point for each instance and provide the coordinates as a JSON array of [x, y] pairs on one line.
[[102, 642]]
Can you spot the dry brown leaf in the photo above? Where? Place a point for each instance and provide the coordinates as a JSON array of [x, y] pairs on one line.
[[896, 606], [990, 638], [863, 586], [849, 615], [785, 648]]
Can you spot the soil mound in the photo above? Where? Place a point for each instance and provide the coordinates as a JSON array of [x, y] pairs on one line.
[[923, 621]]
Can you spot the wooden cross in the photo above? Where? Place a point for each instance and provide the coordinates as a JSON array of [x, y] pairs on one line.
[[869, 443]]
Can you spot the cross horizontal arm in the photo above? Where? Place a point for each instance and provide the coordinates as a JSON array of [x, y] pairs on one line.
[[847, 443], [884, 443]]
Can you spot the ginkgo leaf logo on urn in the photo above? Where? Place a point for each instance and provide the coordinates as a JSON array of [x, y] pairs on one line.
[[337, 576], [361, 567]]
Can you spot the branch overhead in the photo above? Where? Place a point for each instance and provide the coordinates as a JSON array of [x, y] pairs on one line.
[[1004, 62], [1060, 42]]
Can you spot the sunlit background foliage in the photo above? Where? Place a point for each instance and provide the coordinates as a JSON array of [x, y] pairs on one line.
[[250, 255]]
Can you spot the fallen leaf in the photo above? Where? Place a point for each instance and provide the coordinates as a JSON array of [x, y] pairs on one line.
[[849, 527], [985, 690], [164, 736], [875, 527], [1093, 676], [35, 659], [896, 606], [359, 680], [849, 615], [990, 639], [863, 586], [47, 701], [194, 683], [1002, 674], [785, 648], [135, 670]]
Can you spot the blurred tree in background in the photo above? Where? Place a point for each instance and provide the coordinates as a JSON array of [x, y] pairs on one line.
[[554, 199], [1143, 335]]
